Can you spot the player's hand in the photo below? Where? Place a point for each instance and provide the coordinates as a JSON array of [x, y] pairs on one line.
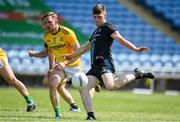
[[142, 49], [31, 53]]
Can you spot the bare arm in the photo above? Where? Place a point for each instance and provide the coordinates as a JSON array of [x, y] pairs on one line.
[[116, 36], [75, 47], [78, 52], [41, 54]]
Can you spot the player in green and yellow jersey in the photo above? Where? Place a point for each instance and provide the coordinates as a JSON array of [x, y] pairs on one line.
[[59, 41]]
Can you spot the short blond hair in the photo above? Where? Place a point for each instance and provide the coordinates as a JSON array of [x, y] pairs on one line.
[[52, 14]]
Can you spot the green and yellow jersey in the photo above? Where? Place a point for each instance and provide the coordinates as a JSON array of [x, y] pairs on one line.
[[61, 44]]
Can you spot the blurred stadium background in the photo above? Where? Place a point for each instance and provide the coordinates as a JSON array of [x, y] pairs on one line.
[[154, 23]]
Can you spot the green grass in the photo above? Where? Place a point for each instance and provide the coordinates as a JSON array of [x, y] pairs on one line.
[[123, 106]]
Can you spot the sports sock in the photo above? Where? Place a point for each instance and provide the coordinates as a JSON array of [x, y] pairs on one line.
[[73, 105], [57, 110], [28, 100]]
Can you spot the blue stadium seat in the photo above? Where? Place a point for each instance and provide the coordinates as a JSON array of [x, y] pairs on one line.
[[167, 9]]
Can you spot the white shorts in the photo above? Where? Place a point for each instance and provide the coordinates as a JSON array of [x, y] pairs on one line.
[[70, 71]]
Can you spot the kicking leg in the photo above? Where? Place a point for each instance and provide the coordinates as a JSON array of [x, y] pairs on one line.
[[122, 80], [108, 79]]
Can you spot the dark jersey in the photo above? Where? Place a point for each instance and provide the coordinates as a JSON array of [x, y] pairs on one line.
[[101, 42], [100, 50]]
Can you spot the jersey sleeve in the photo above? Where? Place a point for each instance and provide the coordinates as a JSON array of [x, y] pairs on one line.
[[110, 29]]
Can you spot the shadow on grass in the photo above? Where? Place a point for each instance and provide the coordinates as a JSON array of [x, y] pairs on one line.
[[13, 113], [10, 110]]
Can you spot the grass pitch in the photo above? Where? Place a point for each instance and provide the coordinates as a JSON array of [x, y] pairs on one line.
[[123, 106]]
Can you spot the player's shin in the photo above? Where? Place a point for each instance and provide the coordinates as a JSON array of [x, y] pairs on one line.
[[54, 96], [53, 93], [86, 99], [122, 80]]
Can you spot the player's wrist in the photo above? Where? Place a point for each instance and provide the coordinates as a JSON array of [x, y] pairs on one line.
[[137, 49]]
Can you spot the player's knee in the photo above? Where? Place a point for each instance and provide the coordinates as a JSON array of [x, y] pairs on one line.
[[12, 80], [54, 81]]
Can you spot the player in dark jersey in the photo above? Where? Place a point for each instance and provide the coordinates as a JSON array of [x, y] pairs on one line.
[[102, 66]]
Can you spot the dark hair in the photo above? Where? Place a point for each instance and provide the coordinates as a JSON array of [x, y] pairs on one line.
[[98, 9], [54, 15]]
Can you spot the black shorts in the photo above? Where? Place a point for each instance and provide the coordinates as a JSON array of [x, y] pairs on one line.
[[98, 70]]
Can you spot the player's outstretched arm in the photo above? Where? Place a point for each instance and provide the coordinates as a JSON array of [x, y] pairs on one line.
[[116, 36], [80, 51], [41, 54]]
